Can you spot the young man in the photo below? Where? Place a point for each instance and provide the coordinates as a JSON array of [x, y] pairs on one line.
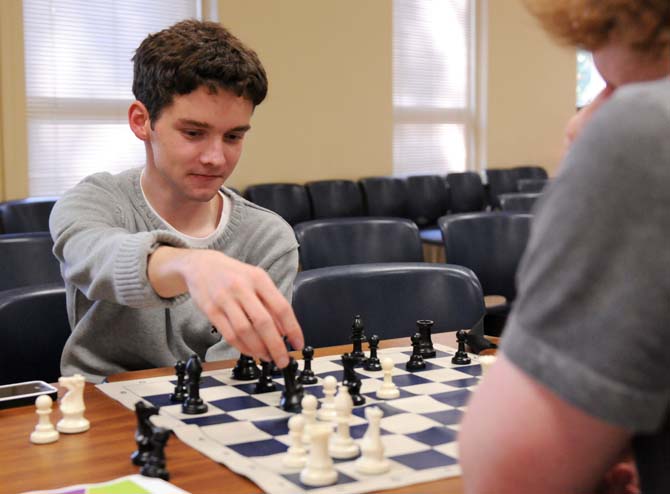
[[154, 258], [583, 373]]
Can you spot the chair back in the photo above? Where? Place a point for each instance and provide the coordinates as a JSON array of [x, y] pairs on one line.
[[33, 329], [518, 202], [490, 244], [428, 198], [26, 259], [500, 181], [466, 192], [338, 241], [290, 201], [385, 196], [389, 297], [531, 185], [26, 215], [531, 172], [335, 198]]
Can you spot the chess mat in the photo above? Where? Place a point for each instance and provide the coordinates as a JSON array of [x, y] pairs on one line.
[[248, 433]]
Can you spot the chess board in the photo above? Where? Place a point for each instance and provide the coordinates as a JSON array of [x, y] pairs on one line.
[[249, 433]]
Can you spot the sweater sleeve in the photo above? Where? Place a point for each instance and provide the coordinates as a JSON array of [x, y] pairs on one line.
[[100, 250]]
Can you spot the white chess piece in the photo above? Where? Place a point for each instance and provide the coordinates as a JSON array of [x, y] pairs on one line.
[[44, 432], [319, 470], [72, 406], [327, 410], [296, 455], [309, 404], [342, 446], [372, 460], [486, 361], [388, 390]]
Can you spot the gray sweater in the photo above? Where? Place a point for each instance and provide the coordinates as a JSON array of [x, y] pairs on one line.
[[103, 233]]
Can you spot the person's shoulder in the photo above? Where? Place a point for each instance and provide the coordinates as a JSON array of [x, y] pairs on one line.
[[107, 181]]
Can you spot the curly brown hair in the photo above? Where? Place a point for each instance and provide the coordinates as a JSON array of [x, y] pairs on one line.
[[642, 24], [190, 54]]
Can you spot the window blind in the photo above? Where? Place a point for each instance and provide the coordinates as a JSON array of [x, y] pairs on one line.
[[79, 84], [432, 85]]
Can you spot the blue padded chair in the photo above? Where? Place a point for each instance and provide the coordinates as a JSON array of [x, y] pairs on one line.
[[26, 215], [389, 297], [491, 245], [428, 200], [385, 196], [500, 181], [466, 192], [338, 241], [335, 198], [518, 202], [33, 329], [531, 172], [531, 185], [290, 201], [27, 259]]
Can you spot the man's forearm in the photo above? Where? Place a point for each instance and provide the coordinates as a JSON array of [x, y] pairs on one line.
[[165, 271]]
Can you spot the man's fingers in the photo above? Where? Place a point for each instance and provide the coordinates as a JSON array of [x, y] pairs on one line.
[[223, 326], [243, 328], [281, 311], [266, 329]]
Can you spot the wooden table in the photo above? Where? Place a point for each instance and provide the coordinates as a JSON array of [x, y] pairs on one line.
[[102, 453]]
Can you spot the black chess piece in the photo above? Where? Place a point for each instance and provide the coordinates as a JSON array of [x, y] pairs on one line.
[[350, 380], [426, 348], [357, 338], [155, 464], [275, 371], [245, 369], [179, 394], [143, 432], [416, 361], [291, 396], [461, 357], [307, 375], [372, 363], [265, 383], [193, 404]]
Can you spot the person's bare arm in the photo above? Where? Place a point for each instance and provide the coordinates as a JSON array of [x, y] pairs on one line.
[[518, 436], [240, 300]]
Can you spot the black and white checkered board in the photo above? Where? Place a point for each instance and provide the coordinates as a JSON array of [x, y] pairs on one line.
[[249, 433]]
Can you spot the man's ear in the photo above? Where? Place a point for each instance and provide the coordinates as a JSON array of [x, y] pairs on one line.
[[139, 121]]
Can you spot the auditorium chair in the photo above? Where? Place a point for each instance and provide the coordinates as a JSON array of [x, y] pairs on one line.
[[518, 202], [290, 201], [466, 192], [338, 241], [335, 198], [531, 172], [500, 181], [385, 196], [27, 259], [26, 215], [491, 244], [428, 200], [33, 329], [390, 298], [531, 185]]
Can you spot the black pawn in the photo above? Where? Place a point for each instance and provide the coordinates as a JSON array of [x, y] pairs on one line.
[[155, 464], [351, 381], [307, 375], [291, 396], [461, 356], [416, 361], [193, 404], [425, 327], [372, 363], [179, 394], [265, 383], [143, 432], [357, 338], [245, 369]]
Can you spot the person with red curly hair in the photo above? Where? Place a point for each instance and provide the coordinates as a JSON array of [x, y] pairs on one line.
[[581, 380]]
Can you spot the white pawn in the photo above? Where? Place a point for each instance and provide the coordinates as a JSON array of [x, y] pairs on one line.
[[327, 410], [72, 406], [388, 390], [296, 455], [342, 446], [372, 460], [44, 430], [319, 470], [309, 404]]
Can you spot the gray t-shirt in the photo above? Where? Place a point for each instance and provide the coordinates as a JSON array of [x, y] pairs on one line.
[[592, 317], [104, 231]]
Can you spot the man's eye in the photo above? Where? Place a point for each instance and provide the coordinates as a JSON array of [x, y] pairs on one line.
[[192, 133], [234, 137]]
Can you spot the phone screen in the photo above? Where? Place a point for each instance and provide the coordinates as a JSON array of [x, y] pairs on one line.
[[26, 388]]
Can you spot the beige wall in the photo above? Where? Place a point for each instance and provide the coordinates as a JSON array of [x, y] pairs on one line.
[[328, 113]]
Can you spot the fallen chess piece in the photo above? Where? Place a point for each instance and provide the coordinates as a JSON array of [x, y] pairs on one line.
[[155, 464], [388, 390], [143, 432], [319, 469], [372, 460], [72, 406], [44, 432], [296, 454], [350, 380]]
